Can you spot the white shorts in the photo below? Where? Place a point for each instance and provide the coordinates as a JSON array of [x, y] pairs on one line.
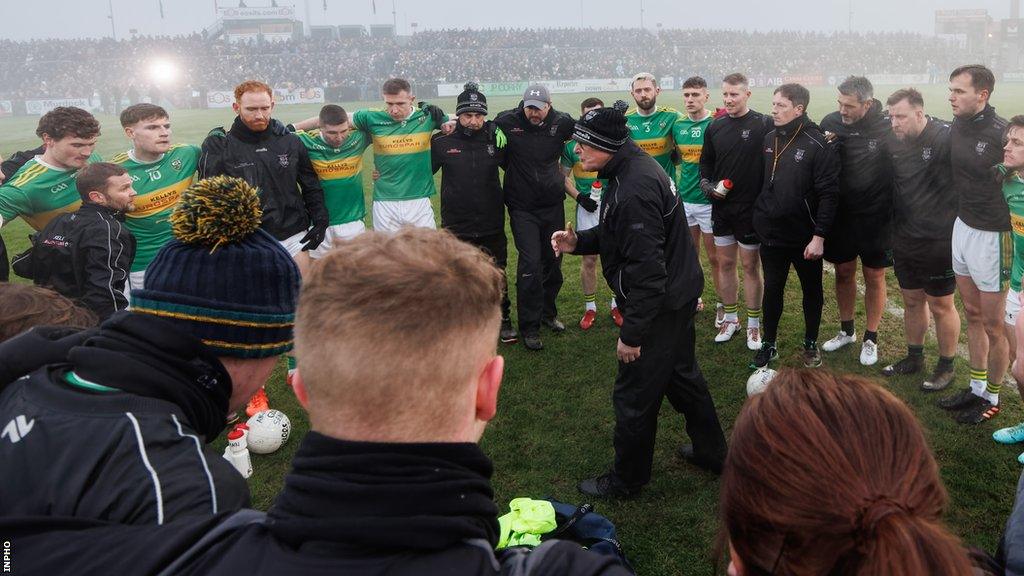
[[292, 245], [587, 220], [698, 215], [390, 215], [336, 234], [982, 255], [1012, 307], [730, 240]]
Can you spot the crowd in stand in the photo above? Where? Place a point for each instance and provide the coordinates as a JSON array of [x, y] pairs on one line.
[[104, 69]]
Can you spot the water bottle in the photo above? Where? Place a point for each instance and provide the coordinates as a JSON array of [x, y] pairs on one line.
[[237, 451], [723, 187]]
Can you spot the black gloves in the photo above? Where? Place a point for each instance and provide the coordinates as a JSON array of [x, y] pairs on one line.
[[435, 113], [586, 202], [708, 188], [315, 236]]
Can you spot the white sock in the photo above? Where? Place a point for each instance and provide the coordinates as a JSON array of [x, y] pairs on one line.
[[993, 398], [614, 305], [591, 306], [731, 317], [753, 322], [978, 387]]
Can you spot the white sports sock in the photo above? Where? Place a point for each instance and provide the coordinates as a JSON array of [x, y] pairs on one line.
[[978, 387], [731, 317], [993, 398], [614, 304], [753, 322], [591, 306]]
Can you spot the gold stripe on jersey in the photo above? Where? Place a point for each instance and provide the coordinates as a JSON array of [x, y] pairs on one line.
[[337, 169], [29, 173], [655, 146], [402, 144], [120, 158], [158, 200], [1017, 222], [580, 174], [39, 220], [690, 153]]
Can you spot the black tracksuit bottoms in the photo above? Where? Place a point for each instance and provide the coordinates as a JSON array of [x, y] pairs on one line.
[[539, 272], [775, 262], [667, 367], [495, 246]]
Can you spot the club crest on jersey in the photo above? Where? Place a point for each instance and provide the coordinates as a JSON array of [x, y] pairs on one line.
[[176, 164], [872, 145], [746, 135], [926, 154], [282, 159], [799, 155], [553, 130], [980, 147], [662, 124], [490, 150]]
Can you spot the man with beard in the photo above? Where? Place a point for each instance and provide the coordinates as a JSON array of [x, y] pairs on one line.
[[86, 255], [651, 126], [535, 195], [863, 227]]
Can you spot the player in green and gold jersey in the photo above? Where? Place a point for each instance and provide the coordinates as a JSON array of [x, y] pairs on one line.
[[401, 154], [688, 135], [44, 187], [161, 171], [578, 185], [336, 151], [651, 126]]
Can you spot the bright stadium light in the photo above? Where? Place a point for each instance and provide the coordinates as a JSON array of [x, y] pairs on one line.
[[163, 71]]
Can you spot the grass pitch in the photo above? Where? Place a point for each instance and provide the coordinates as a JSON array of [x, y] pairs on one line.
[[554, 424]]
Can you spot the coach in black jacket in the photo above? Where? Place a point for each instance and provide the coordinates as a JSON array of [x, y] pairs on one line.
[[472, 203], [650, 264], [86, 255], [793, 215], [535, 193], [262, 151]]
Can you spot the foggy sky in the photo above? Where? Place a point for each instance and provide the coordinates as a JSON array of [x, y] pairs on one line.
[[88, 18]]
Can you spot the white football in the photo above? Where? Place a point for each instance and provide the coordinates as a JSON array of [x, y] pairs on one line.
[[759, 380], [268, 431]]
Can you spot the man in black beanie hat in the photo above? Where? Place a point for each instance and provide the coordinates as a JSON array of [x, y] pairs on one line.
[[112, 423], [648, 260], [472, 203]]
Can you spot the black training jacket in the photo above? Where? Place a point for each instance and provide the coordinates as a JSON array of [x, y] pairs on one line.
[[732, 150], [533, 176], [351, 508], [799, 196], [85, 255], [472, 203], [646, 252], [133, 453], [865, 177], [976, 146], [925, 202], [15, 161], [276, 161]]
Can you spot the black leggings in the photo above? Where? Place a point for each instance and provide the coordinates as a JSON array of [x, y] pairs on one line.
[[776, 262]]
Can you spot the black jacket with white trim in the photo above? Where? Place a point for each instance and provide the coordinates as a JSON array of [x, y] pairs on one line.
[[112, 424], [85, 255]]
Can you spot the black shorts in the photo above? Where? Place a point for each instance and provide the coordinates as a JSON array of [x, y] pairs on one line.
[[864, 237], [924, 264], [736, 220]]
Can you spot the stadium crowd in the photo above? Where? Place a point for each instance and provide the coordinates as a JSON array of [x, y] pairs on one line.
[[107, 70]]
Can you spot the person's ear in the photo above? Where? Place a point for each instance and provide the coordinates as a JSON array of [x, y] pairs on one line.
[[97, 197], [487, 384], [299, 387], [236, 107]]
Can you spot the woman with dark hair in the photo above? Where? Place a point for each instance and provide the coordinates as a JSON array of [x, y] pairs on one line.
[[23, 306], [831, 475]]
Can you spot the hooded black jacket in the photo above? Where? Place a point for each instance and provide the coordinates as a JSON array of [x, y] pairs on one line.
[[85, 255], [132, 455], [353, 508], [866, 176], [799, 198], [646, 252], [472, 203], [976, 146], [533, 177], [276, 162]]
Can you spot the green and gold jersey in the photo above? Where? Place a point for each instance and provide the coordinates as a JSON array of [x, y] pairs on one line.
[[689, 138], [584, 180], [654, 134], [158, 187], [39, 193], [1013, 191], [401, 153], [341, 173]]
